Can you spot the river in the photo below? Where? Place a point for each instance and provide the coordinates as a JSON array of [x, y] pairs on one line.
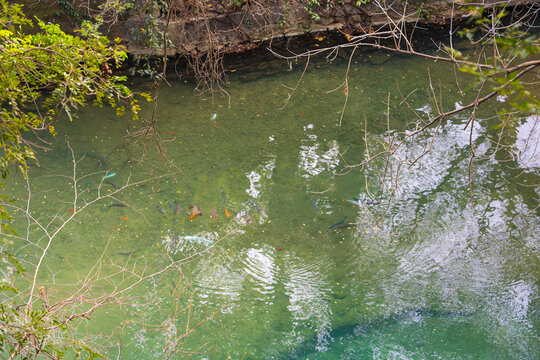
[[422, 274]]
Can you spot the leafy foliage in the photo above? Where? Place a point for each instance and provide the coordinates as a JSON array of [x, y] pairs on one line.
[[47, 72], [511, 43], [311, 8]]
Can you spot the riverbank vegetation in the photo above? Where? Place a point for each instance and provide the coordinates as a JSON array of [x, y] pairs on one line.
[[45, 72]]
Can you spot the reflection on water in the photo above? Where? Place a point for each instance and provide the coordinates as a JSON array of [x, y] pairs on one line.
[[308, 291], [421, 274], [260, 266], [447, 161], [528, 143], [312, 161], [216, 278]]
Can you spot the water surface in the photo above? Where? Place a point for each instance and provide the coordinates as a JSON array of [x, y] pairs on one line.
[[421, 274]]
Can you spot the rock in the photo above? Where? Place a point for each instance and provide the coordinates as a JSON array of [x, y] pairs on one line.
[[325, 21], [268, 20]]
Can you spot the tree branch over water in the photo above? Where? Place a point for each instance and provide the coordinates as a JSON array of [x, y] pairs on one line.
[[108, 282], [504, 60], [46, 72]]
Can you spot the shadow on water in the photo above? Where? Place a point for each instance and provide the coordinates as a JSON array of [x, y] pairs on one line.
[[405, 316]]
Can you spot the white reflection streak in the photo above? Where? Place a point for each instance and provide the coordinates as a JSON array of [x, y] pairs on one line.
[[254, 184], [496, 217], [521, 294], [256, 177], [306, 290], [431, 170], [440, 250], [312, 161], [528, 142], [261, 266], [512, 312], [216, 279]]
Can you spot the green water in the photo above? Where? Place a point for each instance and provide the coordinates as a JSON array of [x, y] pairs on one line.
[[424, 274]]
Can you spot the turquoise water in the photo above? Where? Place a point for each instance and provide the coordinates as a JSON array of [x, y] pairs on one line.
[[416, 272]]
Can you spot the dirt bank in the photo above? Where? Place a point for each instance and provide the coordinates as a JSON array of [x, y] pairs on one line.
[[198, 26]]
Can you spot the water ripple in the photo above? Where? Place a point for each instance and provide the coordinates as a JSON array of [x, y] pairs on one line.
[[308, 290], [217, 279], [260, 266]]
